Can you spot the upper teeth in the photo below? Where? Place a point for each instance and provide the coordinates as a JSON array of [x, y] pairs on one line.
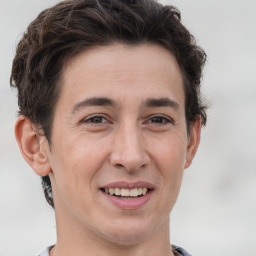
[[126, 192]]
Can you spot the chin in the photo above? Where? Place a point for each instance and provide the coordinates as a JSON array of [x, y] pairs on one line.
[[129, 234], [130, 239]]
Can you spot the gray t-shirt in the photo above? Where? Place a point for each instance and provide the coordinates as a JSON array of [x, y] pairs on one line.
[[178, 251]]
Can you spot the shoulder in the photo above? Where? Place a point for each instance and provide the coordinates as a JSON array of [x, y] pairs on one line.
[[181, 250], [46, 251]]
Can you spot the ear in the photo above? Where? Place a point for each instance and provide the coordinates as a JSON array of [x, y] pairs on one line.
[[33, 146], [193, 141]]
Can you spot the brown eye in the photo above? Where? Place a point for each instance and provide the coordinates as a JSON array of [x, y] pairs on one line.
[[159, 120], [95, 120]]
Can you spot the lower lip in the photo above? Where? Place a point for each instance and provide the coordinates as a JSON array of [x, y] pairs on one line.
[[131, 203]]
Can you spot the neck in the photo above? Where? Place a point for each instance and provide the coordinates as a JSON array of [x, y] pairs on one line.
[[74, 242]]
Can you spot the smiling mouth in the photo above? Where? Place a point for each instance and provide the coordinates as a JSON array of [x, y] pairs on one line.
[[125, 193]]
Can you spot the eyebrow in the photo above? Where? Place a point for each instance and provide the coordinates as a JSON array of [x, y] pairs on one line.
[[162, 102], [103, 101], [95, 101]]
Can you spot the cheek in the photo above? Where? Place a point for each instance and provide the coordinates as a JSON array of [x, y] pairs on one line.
[[170, 155], [73, 170], [170, 162], [172, 166], [75, 164]]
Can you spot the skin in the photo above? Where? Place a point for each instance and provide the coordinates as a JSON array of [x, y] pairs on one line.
[[128, 140]]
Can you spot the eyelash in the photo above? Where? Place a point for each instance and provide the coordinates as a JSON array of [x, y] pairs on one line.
[[91, 118], [99, 119], [164, 119]]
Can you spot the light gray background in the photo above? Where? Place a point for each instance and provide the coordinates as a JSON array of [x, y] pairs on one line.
[[215, 213]]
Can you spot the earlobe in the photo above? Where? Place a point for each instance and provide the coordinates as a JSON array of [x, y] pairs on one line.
[[193, 143], [33, 146]]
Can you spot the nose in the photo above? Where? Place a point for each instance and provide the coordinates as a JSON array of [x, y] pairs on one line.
[[128, 150]]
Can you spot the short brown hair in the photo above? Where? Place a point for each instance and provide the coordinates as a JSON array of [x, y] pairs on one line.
[[70, 27]]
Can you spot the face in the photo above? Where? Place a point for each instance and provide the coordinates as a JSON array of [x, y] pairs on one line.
[[119, 142]]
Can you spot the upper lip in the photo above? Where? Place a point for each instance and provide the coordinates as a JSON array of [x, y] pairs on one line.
[[129, 185]]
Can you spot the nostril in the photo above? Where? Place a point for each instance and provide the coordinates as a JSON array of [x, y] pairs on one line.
[[119, 165]]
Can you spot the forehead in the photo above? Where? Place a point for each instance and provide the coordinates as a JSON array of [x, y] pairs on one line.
[[123, 57], [120, 70]]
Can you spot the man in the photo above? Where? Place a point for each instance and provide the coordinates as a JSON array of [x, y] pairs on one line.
[[110, 115]]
